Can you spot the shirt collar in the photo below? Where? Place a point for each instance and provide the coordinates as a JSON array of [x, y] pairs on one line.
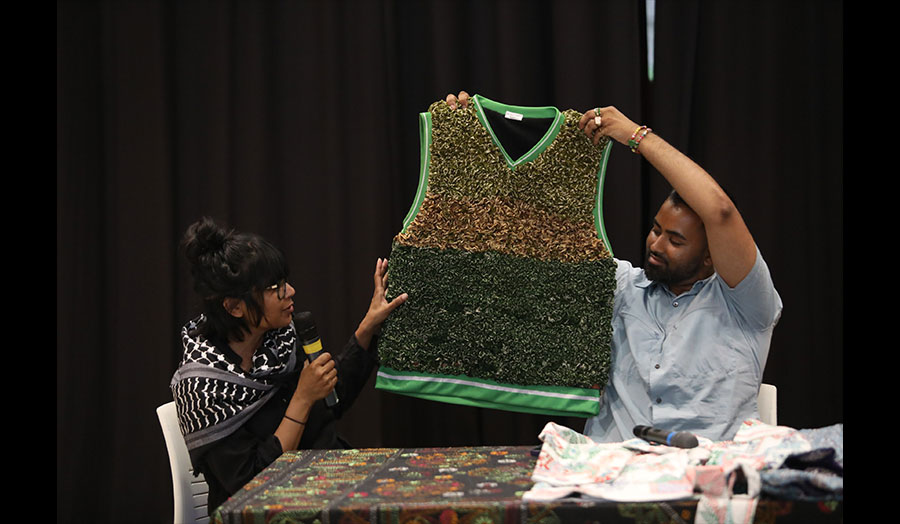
[[646, 283]]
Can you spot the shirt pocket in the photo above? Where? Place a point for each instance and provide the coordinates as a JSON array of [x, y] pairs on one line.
[[703, 344]]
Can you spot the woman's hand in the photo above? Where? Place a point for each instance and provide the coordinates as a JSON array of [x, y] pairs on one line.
[[317, 379], [379, 308]]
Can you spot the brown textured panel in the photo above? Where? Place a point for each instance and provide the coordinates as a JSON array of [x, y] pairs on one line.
[[512, 227]]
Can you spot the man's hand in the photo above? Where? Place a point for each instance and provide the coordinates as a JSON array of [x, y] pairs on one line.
[[458, 101], [607, 121]]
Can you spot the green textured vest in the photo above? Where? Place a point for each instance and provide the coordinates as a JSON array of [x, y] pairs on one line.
[[505, 259]]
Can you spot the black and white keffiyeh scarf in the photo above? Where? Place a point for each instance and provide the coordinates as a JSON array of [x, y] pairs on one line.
[[213, 396]]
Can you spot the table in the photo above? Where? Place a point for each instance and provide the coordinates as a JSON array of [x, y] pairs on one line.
[[468, 485]]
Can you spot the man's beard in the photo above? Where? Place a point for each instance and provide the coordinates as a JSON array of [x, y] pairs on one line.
[[667, 274]]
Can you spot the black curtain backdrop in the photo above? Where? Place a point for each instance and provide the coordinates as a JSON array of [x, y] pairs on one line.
[[297, 120]]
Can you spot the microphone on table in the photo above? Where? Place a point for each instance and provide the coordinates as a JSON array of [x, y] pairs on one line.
[[681, 439], [312, 345]]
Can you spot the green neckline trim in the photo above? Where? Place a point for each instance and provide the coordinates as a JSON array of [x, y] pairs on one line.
[[528, 112]]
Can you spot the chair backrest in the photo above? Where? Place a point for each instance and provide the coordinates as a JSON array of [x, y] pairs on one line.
[[190, 491], [768, 404]]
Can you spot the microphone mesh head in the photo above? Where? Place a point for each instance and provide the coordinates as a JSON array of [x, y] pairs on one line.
[[306, 326], [683, 439], [303, 318]]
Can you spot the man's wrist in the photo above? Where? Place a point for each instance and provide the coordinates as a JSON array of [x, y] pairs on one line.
[[637, 137]]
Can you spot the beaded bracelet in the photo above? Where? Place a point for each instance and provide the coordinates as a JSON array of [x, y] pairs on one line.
[[635, 140], [636, 131]]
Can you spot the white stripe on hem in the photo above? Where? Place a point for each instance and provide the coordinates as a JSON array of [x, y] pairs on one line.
[[505, 389]]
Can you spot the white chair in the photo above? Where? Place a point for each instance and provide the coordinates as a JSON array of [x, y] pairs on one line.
[[190, 491], [768, 404]]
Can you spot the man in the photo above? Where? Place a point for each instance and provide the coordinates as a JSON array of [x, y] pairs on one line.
[[691, 330]]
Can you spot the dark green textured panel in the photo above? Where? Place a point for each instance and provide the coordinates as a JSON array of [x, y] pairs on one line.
[[511, 319]]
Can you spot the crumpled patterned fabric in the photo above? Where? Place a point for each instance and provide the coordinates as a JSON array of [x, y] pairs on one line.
[[627, 471], [813, 475], [721, 502], [727, 477]]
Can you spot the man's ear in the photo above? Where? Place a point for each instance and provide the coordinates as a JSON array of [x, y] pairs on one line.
[[234, 307]]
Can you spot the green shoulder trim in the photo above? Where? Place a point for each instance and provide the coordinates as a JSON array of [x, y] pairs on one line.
[[424, 162], [598, 207]]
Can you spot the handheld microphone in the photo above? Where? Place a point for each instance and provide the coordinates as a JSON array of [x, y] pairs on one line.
[[681, 439], [312, 346]]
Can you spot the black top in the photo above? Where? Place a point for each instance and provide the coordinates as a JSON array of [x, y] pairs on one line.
[[517, 136], [231, 462]]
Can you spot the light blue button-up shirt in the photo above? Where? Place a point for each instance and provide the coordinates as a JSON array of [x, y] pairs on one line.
[[692, 362]]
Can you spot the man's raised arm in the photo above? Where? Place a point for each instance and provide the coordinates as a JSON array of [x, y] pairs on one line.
[[731, 245]]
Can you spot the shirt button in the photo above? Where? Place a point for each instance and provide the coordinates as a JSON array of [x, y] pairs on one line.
[[675, 303], [657, 366], [658, 400]]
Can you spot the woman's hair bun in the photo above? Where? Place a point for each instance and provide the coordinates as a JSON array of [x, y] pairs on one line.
[[203, 238]]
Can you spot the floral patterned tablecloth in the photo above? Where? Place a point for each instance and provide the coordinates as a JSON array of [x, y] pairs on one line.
[[445, 486]]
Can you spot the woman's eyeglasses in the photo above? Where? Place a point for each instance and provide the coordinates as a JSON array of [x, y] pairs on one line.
[[280, 288]]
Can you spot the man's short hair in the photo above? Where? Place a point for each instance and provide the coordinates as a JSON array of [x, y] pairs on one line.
[[676, 199]]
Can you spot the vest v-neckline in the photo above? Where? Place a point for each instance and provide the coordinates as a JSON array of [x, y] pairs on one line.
[[549, 112]]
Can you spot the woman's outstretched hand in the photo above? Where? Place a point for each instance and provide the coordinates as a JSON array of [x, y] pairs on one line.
[[379, 308]]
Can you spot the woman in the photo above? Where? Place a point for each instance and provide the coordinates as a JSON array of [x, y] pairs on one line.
[[244, 392]]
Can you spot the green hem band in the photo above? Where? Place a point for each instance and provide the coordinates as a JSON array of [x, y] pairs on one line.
[[468, 391]]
